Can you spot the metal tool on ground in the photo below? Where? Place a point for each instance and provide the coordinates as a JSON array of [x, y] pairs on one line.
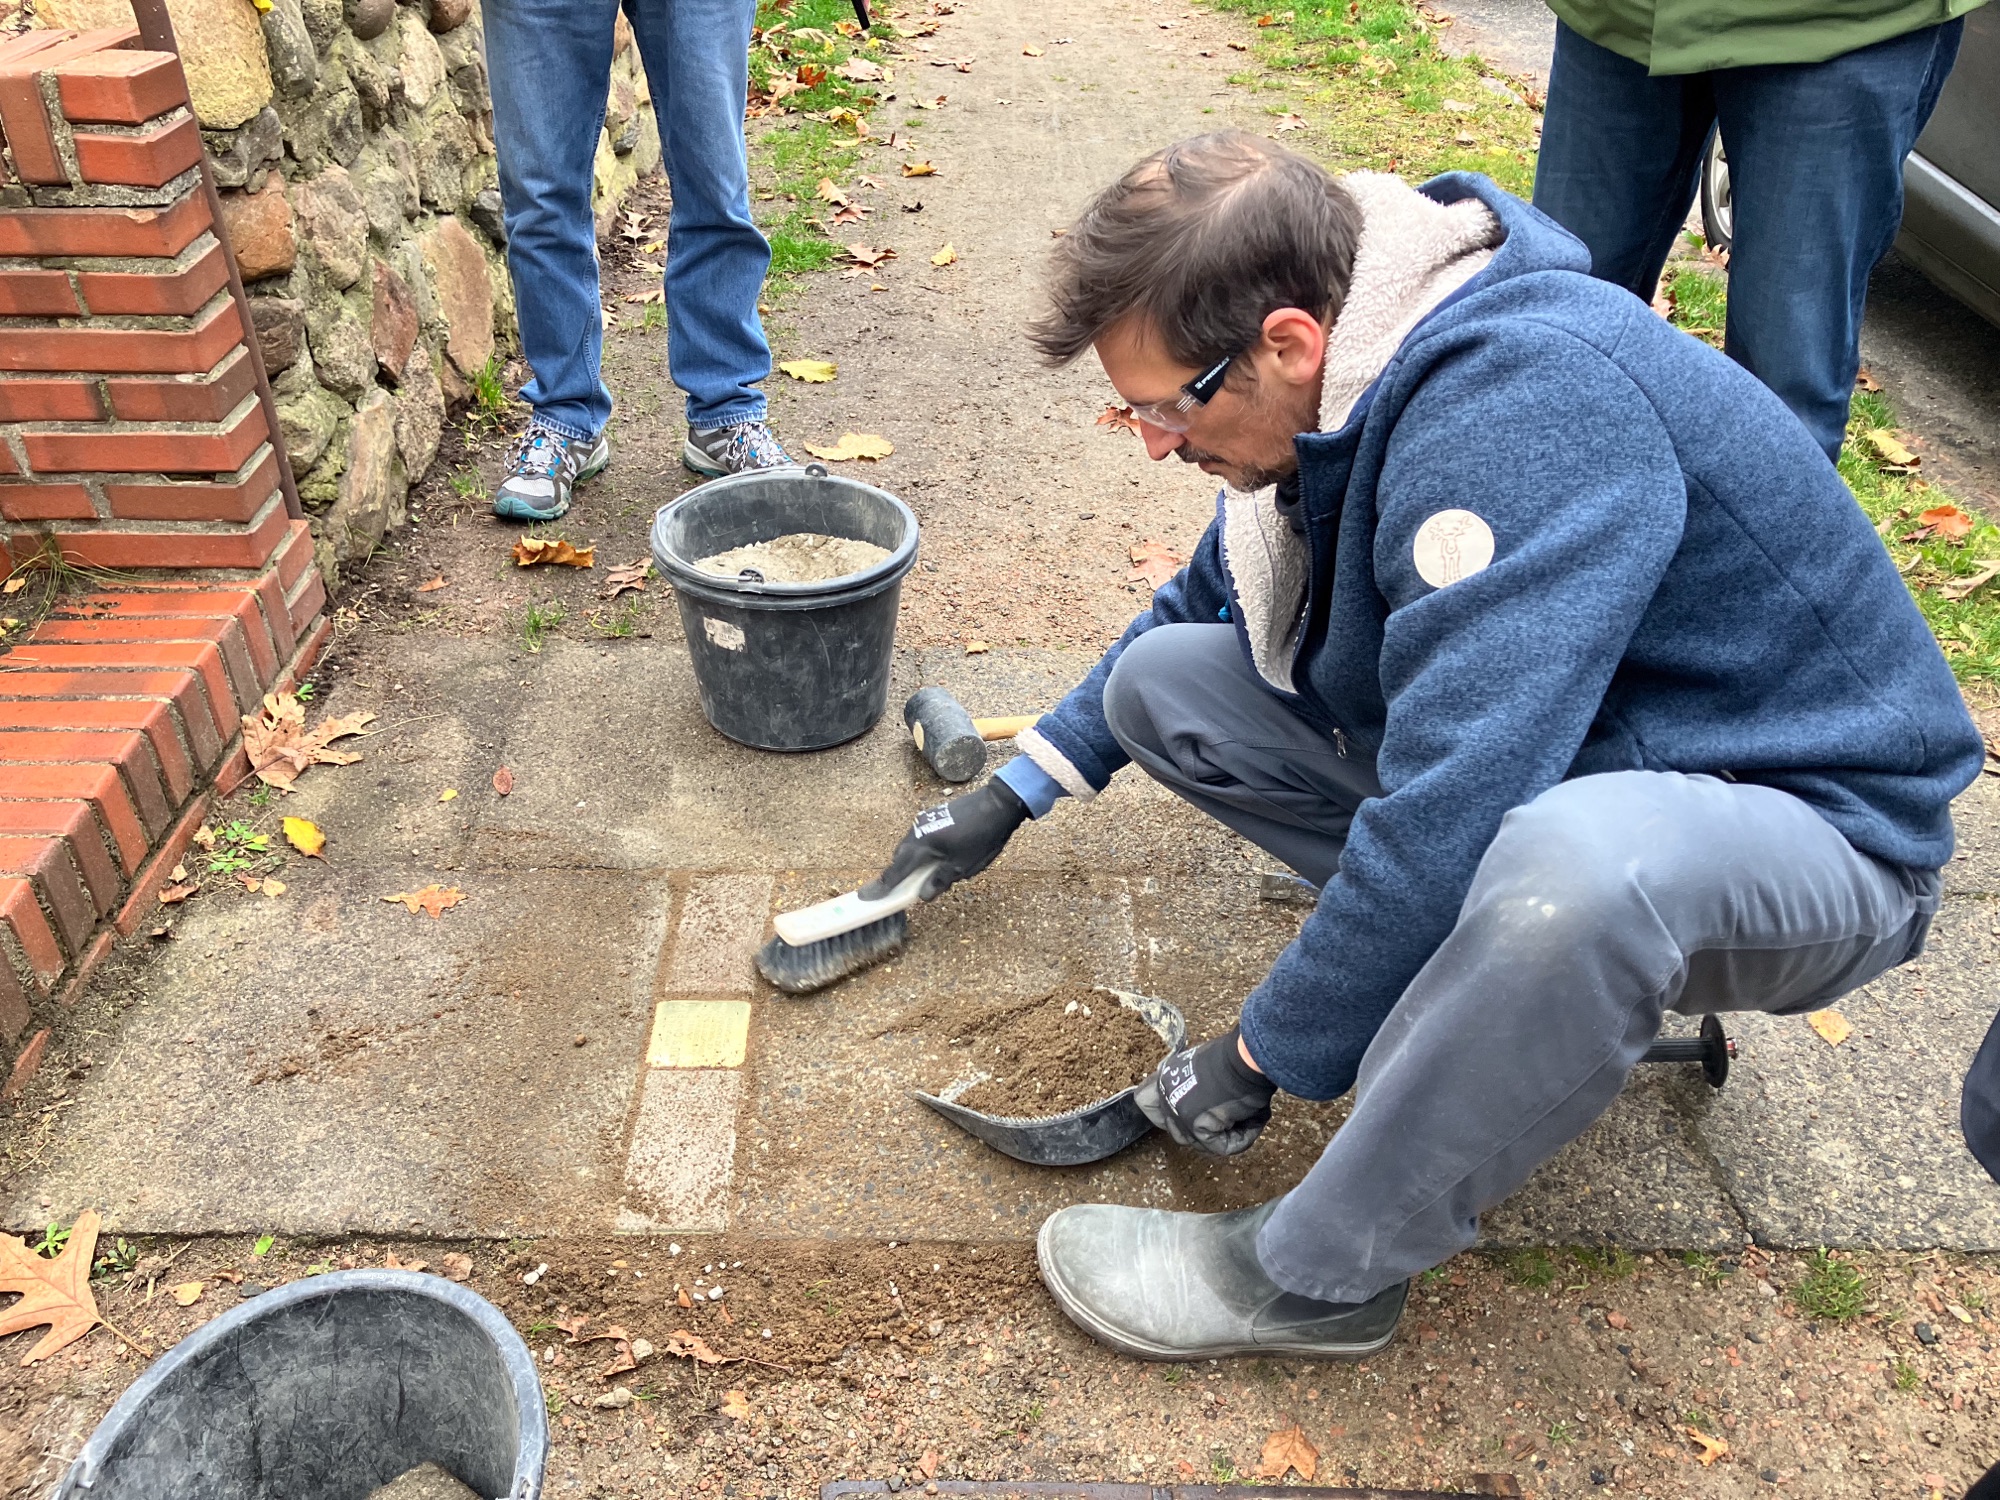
[[820, 944], [952, 741], [1077, 1136]]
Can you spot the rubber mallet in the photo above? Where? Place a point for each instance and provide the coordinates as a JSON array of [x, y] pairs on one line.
[[950, 738]]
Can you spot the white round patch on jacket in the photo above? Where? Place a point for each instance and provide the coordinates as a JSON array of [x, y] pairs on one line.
[[1451, 545]]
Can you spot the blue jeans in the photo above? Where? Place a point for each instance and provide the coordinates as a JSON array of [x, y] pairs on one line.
[[1816, 170], [550, 62]]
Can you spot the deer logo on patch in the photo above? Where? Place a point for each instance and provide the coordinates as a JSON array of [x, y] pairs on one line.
[[1451, 545]]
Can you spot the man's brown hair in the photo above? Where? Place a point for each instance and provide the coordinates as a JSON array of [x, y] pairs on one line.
[[1203, 239]]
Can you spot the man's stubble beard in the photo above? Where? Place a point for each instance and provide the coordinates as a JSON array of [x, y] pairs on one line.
[[1239, 477]]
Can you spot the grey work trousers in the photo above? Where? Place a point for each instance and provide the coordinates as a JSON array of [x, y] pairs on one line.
[[1598, 907]]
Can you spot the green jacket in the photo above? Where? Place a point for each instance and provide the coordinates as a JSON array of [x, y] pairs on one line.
[[1695, 36]]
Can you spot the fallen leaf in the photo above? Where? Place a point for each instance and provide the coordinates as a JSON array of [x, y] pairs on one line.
[[623, 1362], [449, 794], [736, 1405], [530, 550], [1832, 1026], [1153, 563], [53, 1293], [864, 180], [1618, 1320], [188, 1293], [1285, 1450], [1712, 1448], [1118, 419], [305, 836], [919, 169], [862, 255], [432, 587], [1866, 382], [1946, 521], [432, 899], [854, 445], [811, 74], [1890, 448], [1459, 106], [945, 256], [503, 781], [976, 648], [1291, 121], [860, 70], [390, 1262], [681, 1297], [632, 575], [811, 371], [173, 895], [1031, 52], [13, 586], [273, 886], [684, 1345], [457, 1265], [1963, 587], [847, 213], [937, 103], [280, 747]]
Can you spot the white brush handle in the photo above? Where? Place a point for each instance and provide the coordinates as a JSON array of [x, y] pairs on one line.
[[815, 924]]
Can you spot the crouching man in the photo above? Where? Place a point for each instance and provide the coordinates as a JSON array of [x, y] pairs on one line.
[[1538, 635]]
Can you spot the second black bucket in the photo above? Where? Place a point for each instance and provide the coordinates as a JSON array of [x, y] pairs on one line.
[[787, 666]]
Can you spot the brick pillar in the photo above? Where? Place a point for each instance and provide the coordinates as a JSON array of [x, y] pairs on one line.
[[131, 440]]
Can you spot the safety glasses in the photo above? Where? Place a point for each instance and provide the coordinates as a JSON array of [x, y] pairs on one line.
[[1174, 416]]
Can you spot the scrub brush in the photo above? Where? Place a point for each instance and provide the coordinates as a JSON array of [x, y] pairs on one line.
[[836, 938]]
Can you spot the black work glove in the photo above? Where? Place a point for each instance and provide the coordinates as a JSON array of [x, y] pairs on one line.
[[959, 838], [1208, 1097]]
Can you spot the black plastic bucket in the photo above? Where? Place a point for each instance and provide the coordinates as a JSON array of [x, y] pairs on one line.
[[325, 1390], [787, 666]]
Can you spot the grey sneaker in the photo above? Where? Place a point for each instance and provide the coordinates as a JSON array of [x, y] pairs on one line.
[[541, 471], [1162, 1285], [716, 451]]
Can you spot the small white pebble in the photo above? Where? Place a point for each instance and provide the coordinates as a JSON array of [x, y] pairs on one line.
[[767, 1333], [536, 1275], [1070, 1009], [736, 1265], [1086, 1012], [936, 1267], [708, 1270], [673, 1249], [715, 1294]]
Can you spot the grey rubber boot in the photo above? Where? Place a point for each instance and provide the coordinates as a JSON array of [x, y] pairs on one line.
[[1163, 1285]]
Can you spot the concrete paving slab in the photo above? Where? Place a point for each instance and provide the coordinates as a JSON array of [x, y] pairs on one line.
[[1859, 1144], [328, 1063], [677, 1176], [722, 920]]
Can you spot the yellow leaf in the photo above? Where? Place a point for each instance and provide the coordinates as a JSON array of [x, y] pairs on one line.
[[854, 445], [919, 169], [945, 256], [188, 1293], [1831, 1025], [976, 648], [448, 794], [53, 1293], [274, 886], [1891, 448], [531, 550], [305, 836], [1288, 1449], [812, 371], [13, 586], [1712, 1448], [432, 899], [1031, 52], [736, 1405]]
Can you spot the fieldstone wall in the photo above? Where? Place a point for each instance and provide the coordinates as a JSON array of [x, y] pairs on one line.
[[352, 141]]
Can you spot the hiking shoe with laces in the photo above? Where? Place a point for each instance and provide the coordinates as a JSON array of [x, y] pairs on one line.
[[543, 468], [734, 449]]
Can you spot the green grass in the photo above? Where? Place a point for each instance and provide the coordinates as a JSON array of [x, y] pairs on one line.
[[1608, 1262], [1705, 1267], [1372, 84], [489, 389], [615, 622], [538, 620], [1535, 1269], [238, 846], [1699, 295], [1907, 1376], [1561, 1433], [1830, 1289]]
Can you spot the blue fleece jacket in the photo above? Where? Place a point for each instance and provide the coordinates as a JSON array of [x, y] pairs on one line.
[[1680, 581]]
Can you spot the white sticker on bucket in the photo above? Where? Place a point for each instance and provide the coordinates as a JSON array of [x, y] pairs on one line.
[[724, 633]]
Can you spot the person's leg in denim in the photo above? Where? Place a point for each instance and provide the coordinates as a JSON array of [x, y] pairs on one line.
[[1816, 171], [1620, 158], [697, 59], [550, 64]]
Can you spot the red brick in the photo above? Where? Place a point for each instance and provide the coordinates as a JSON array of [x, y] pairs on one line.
[[33, 400], [14, 1012], [225, 634], [294, 555], [154, 720], [120, 87], [76, 824], [241, 604], [183, 398], [271, 595], [168, 294], [246, 548], [133, 656], [208, 727], [173, 848], [22, 913], [151, 158], [139, 351], [47, 863], [46, 502], [104, 231], [37, 294], [307, 602], [27, 1064], [25, 115], [129, 752], [231, 500], [97, 784], [7, 464], [220, 449]]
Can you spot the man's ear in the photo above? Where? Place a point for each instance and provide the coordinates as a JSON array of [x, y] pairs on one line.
[[1293, 347]]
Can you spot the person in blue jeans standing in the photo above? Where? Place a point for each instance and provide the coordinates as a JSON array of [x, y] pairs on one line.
[[1818, 109], [550, 62]]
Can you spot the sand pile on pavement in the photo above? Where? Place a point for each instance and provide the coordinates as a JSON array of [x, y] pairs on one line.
[[799, 557]]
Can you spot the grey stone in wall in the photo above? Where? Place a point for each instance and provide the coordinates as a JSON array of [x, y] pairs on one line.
[[444, 151], [293, 50], [234, 155], [281, 330], [324, 22], [368, 19], [419, 414], [338, 330], [333, 224], [489, 213]]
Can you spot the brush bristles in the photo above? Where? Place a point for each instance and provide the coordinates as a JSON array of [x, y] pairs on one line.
[[814, 966]]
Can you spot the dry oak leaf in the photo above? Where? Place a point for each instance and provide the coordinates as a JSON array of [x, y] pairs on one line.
[[811, 371], [736, 1405], [432, 587], [1833, 1027], [1118, 419], [684, 1345], [432, 899], [1864, 381], [945, 256], [188, 1293], [1153, 563], [280, 747], [173, 895], [53, 1293], [860, 70], [305, 836], [457, 1265], [830, 191], [937, 103], [531, 550], [632, 575], [1964, 587], [919, 169], [1712, 1448], [503, 781], [862, 255], [1946, 521], [1890, 448], [1290, 121], [810, 74], [1288, 1449], [853, 445]]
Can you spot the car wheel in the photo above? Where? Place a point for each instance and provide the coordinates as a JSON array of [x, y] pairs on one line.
[[1718, 218]]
